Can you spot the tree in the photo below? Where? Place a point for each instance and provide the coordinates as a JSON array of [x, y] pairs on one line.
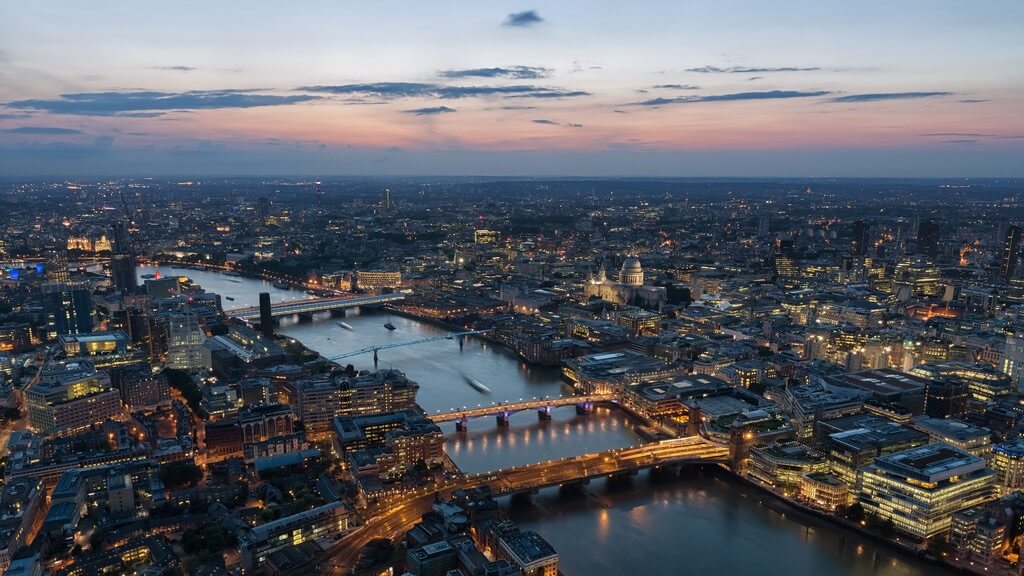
[[180, 474]]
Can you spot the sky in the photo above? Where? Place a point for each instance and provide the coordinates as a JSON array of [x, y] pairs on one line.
[[564, 88]]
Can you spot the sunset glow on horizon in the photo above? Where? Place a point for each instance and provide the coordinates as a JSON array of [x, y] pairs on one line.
[[573, 88]]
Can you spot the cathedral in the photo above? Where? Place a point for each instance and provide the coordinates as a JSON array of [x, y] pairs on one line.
[[629, 289]]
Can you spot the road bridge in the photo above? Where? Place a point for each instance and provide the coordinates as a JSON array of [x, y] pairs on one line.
[[313, 305], [502, 410], [405, 508]]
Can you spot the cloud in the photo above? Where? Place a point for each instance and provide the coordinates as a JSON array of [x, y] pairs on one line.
[[752, 78], [514, 72], [523, 19], [545, 121], [176, 68], [382, 90], [750, 70], [573, 125], [394, 90], [5, 116], [552, 94], [513, 107], [768, 95], [972, 101], [888, 96], [42, 130], [965, 134], [676, 87], [960, 141], [148, 104], [431, 111]]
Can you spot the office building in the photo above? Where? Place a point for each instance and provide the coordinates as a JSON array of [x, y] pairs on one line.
[[920, 489], [525, 549], [1008, 462], [977, 535], [928, 239], [782, 465], [140, 388], [122, 261], [57, 266], [68, 308], [861, 238], [967, 437], [315, 524], [946, 398], [385, 199], [1011, 254], [825, 491], [185, 342], [784, 258], [69, 397], [435, 559]]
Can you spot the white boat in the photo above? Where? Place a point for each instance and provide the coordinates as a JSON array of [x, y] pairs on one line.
[[476, 384], [345, 325]]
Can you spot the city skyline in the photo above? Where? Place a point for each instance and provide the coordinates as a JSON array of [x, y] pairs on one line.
[[918, 89]]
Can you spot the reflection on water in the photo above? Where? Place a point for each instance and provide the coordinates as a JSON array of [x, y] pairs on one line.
[[486, 446], [697, 524]]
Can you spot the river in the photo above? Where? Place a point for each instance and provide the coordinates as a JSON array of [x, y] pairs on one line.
[[694, 525]]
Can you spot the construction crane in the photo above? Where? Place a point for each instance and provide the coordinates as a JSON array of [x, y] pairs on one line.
[[374, 349]]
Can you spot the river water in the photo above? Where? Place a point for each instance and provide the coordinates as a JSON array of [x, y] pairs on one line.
[[694, 525]]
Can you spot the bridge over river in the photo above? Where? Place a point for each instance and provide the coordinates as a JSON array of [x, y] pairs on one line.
[[406, 507], [314, 305]]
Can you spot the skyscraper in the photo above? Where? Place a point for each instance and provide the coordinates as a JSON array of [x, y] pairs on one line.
[[57, 266], [263, 209], [928, 239], [861, 238], [785, 263], [68, 308], [385, 199], [266, 320], [122, 261], [1011, 253]]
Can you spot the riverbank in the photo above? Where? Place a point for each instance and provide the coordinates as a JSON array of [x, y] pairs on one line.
[[814, 518]]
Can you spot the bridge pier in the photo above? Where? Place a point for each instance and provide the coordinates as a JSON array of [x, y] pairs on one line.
[[502, 420], [584, 408], [462, 424], [305, 316], [338, 312], [544, 414]]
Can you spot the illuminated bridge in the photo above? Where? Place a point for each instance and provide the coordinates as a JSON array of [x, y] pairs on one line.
[[502, 410], [314, 305], [404, 508]]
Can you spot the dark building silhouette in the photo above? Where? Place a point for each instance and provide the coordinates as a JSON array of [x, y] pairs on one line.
[[122, 261], [861, 238], [1011, 253], [928, 239], [264, 209], [946, 398], [266, 320], [68, 308]]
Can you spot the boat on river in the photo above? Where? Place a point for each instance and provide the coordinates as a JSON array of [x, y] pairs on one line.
[[345, 325], [480, 386]]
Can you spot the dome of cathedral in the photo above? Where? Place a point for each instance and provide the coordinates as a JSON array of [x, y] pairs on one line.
[[632, 274]]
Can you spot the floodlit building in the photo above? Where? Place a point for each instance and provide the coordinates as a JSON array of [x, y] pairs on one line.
[[263, 540], [920, 489]]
